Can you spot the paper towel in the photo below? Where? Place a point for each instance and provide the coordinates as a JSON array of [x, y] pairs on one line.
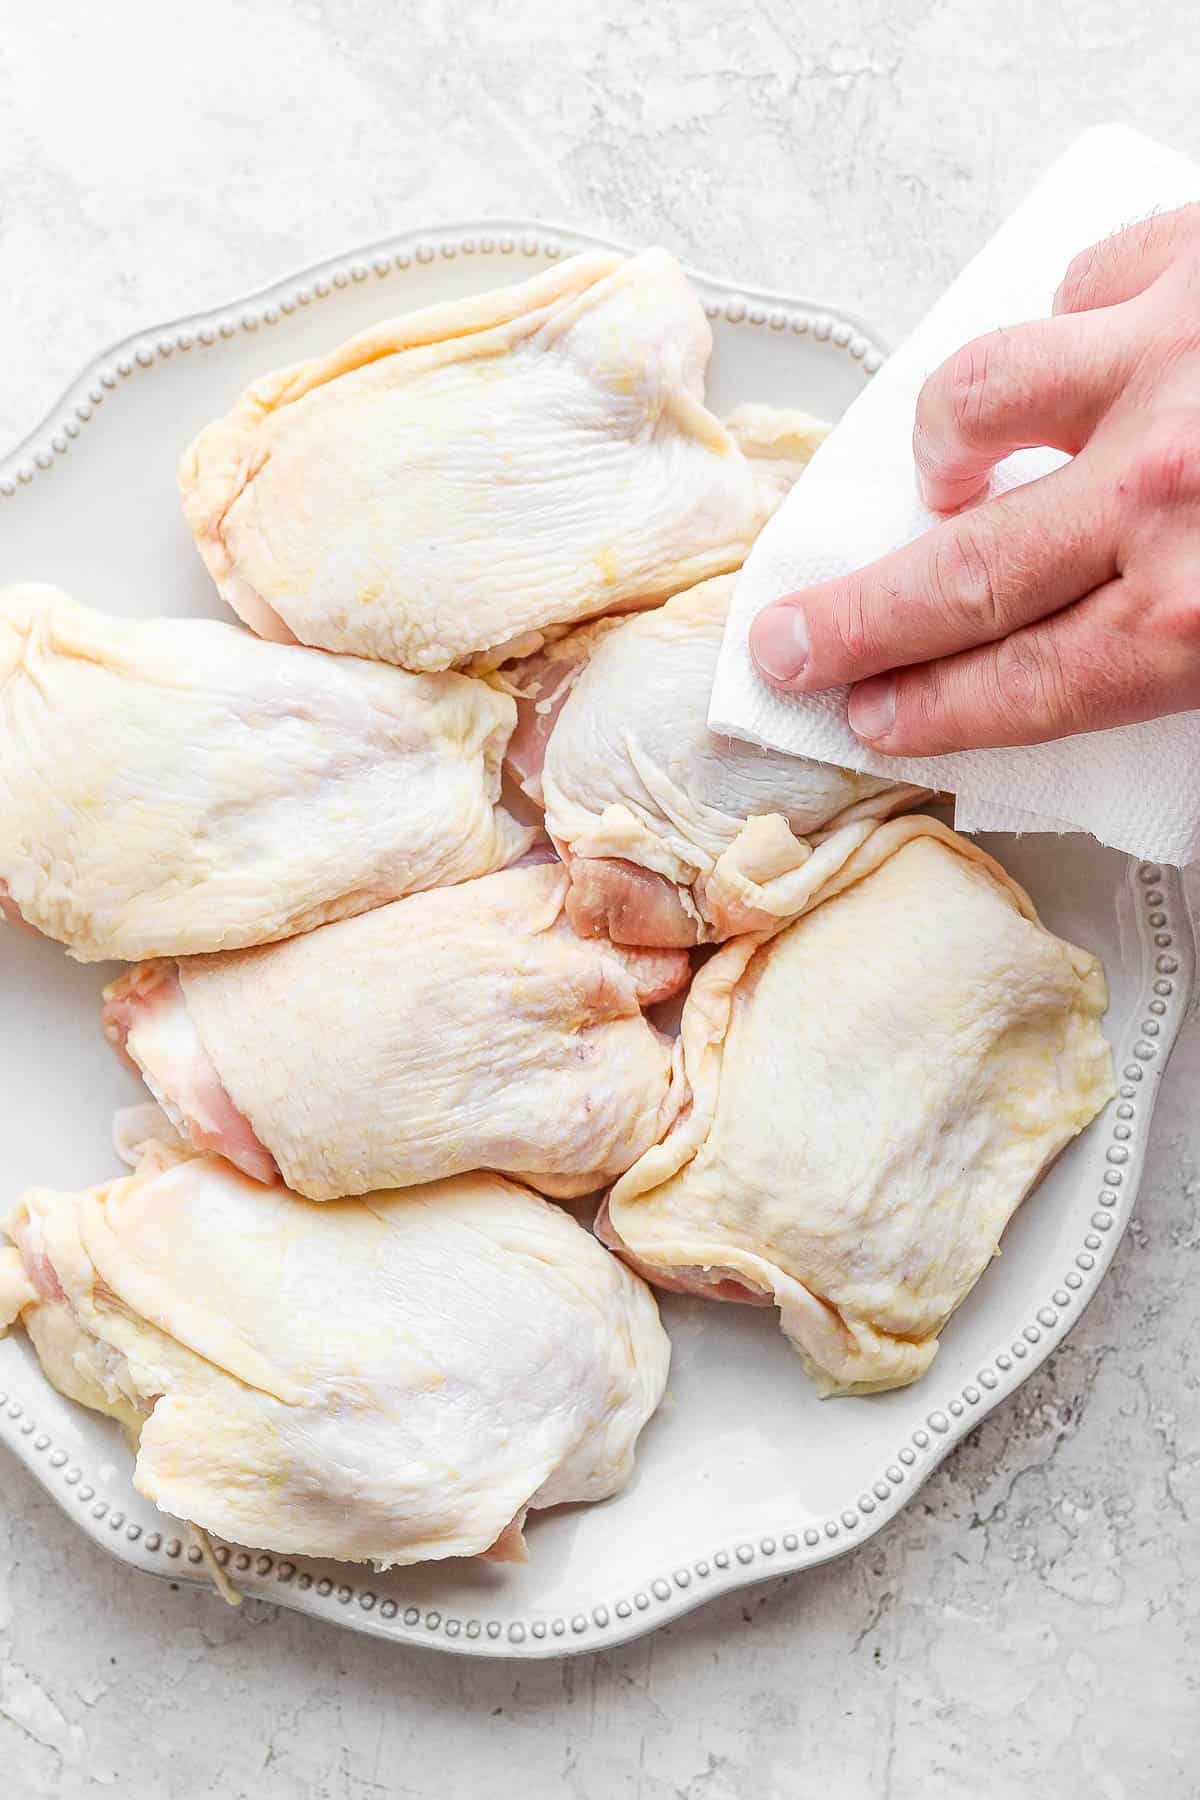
[[1136, 788]]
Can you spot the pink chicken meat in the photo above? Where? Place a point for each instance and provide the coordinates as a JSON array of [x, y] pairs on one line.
[[466, 1029], [649, 809]]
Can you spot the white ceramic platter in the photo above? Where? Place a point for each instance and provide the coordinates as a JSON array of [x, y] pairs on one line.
[[743, 1473]]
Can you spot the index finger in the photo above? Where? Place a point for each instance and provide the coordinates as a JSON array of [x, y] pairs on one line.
[[969, 581]]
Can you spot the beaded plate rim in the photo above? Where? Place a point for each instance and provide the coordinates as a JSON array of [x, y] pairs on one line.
[[267, 306], [1167, 966]]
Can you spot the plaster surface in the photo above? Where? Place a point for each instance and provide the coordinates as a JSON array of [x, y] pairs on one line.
[[1032, 1623]]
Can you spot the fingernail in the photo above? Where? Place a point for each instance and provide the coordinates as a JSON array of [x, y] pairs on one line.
[[779, 642], [872, 708]]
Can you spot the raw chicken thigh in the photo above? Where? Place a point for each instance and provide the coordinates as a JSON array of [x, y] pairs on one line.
[[541, 684], [451, 484], [875, 1089], [173, 786], [386, 1380], [460, 1030], [643, 801]]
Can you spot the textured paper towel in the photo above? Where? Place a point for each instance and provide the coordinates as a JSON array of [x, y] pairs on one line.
[[1137, 788]]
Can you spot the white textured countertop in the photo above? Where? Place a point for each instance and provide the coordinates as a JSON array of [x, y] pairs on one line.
[[1032, 1623]]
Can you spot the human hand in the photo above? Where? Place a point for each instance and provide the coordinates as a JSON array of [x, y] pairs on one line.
[[1072, 603]]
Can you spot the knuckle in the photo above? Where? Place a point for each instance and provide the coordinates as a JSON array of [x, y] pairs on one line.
[[855, 629], [956, 405], [943, 707], [1031, 689], [963, 585], [1018, 682], [969, 384], [1077, 280], [1166, 465], [924, 711]]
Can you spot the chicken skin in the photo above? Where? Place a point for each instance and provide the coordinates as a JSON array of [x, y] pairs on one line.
[[449, 486], [643, 801], [875, 1088], [466, 1029], [172, 786], [389, 1380]]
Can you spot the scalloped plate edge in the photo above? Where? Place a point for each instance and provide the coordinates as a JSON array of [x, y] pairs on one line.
[[1167, 971], [264, 306]]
